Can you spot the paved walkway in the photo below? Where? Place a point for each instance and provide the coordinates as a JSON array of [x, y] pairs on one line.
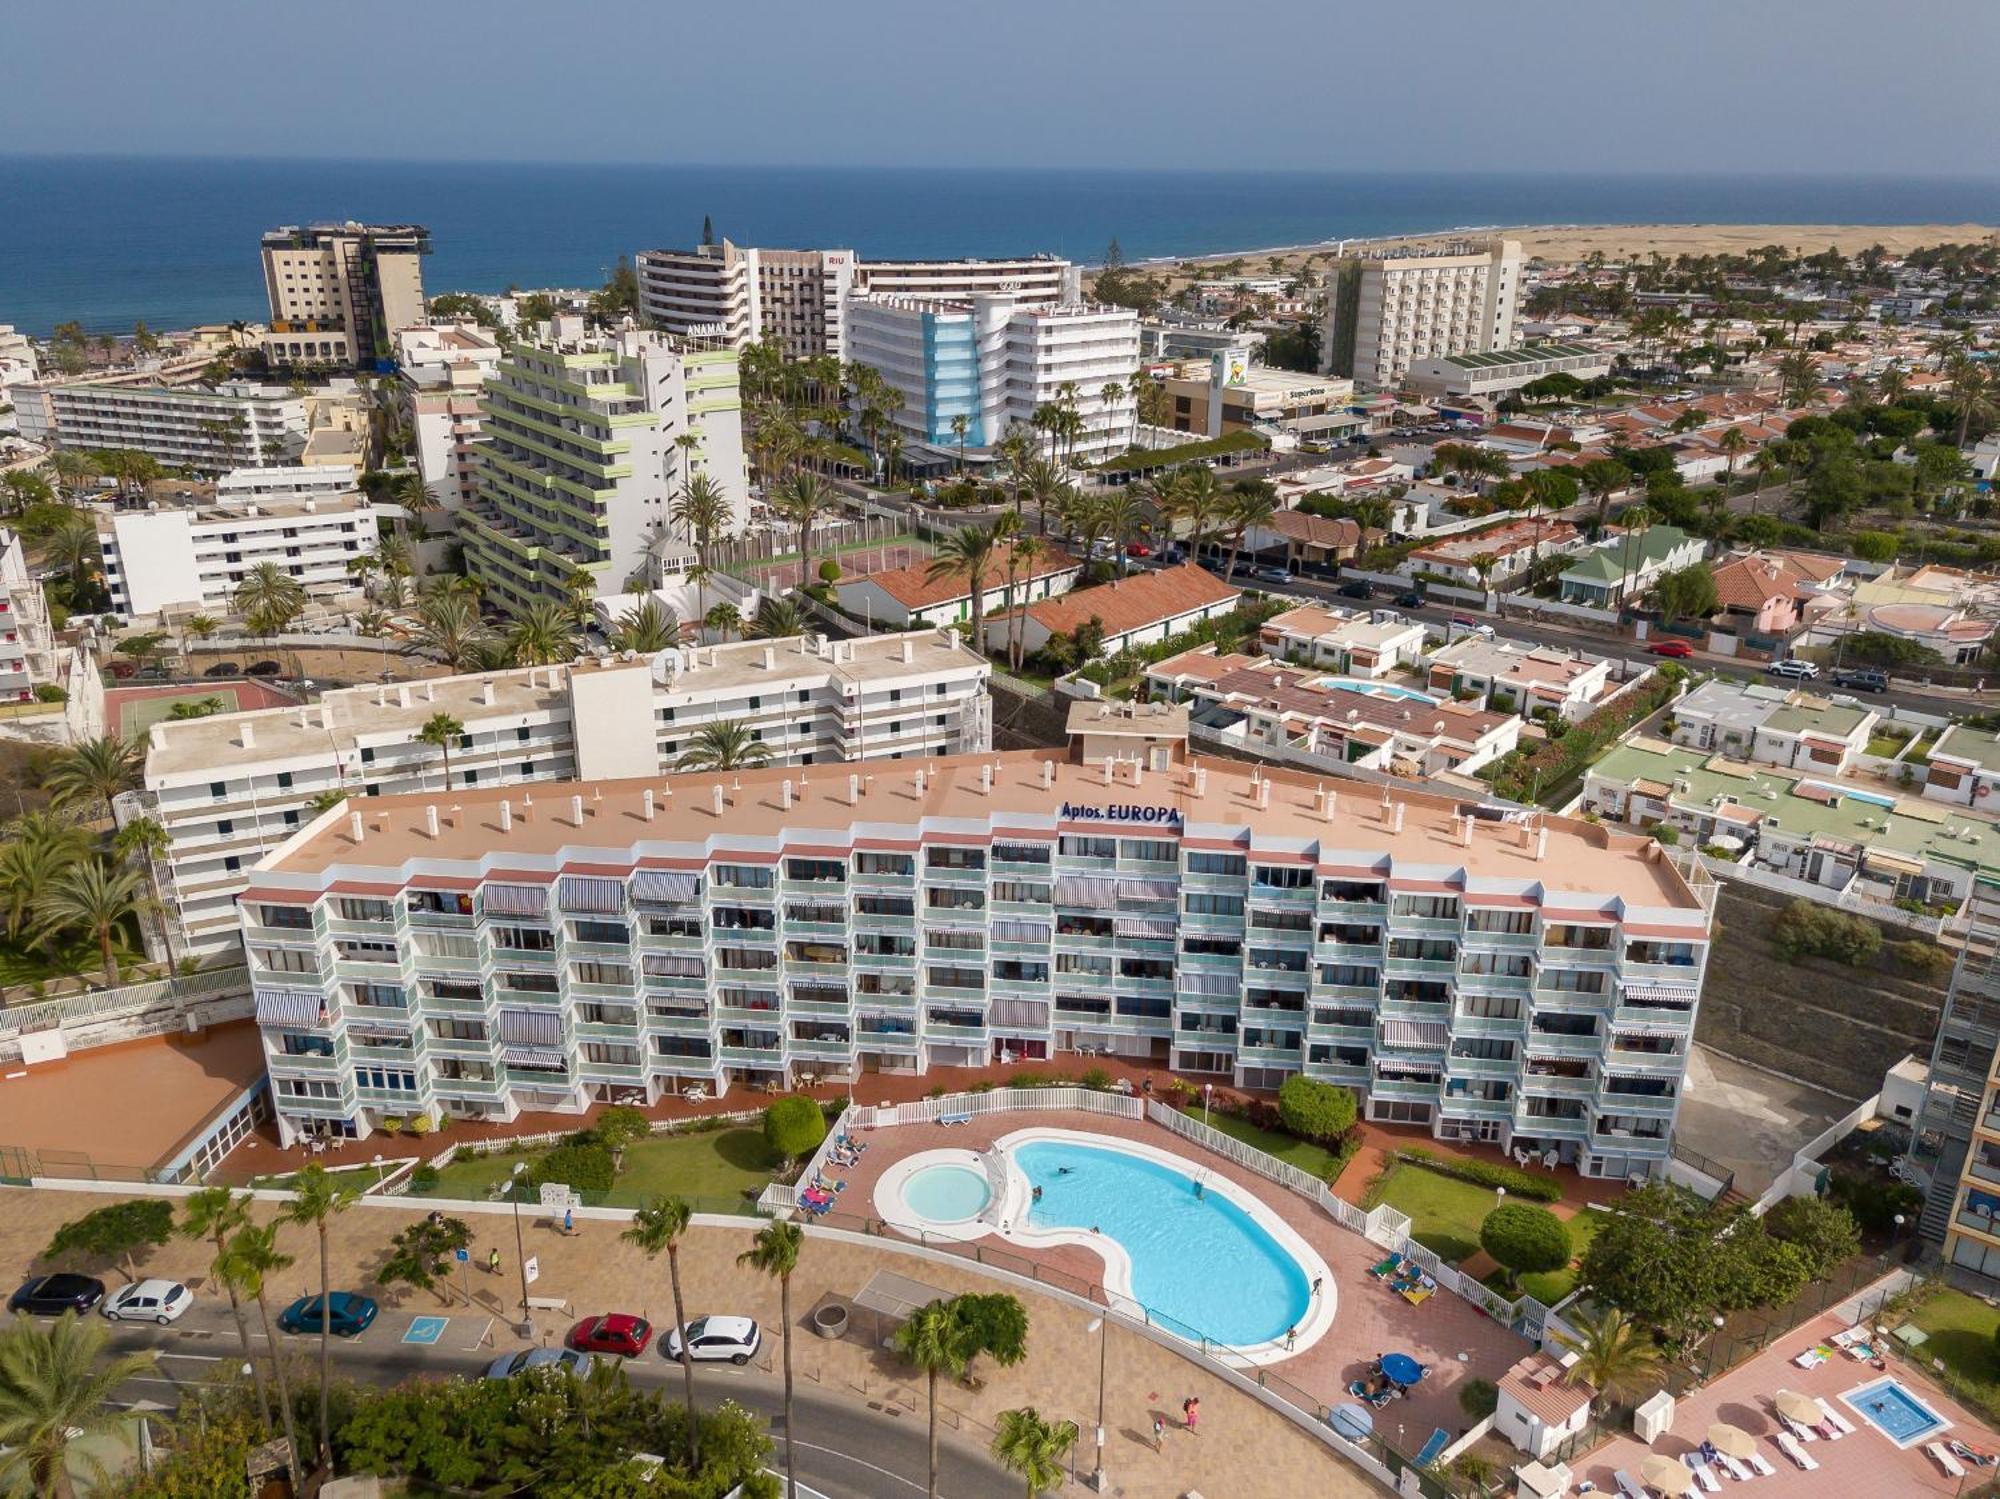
[[1241, 1451]]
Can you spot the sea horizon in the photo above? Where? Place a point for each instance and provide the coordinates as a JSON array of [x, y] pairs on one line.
[[172, 240]]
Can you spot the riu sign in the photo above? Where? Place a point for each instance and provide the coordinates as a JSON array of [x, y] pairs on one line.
[[1164, 817]]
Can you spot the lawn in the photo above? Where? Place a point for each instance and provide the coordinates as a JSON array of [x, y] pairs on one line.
[[1308, 1157], [1961, 1329], [1445, 1215], [1551, 1286], [712, 1169]]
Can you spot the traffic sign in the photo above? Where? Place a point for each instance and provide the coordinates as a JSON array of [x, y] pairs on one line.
[[461, 1255]]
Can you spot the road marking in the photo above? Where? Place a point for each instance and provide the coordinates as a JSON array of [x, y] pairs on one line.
[[200, 1358], [426, 1330], [859, 1463]]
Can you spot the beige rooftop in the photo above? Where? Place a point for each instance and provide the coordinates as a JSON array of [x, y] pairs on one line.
[[541, 823]]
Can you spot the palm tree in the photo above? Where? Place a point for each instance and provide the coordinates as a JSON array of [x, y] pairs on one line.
[[408, 490], [648, 629], [38, 849], [1119, 515], [56, 1388], [1042, 482], [74, 471], [961, 425], [1026, 551], [1970, 390], [661, 1224], [95, 770], [776, 619], [1033, 1448], [543, 634], [967, 553], [1614, 1354], [935, 1340], [246, 1266], [146, 840], [214, 1213], [1733, 445], [439, 731], [316, 1201], [269, 598], [775, 1252], [799, 501], [702, 510], [1250, 504], [1798, 377], [70, 546], [95, 897], [728, 745], [725, 619]]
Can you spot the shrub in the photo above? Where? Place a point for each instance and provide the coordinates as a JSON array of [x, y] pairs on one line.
[[1097, 1079], [794, 1126], [1874, 1204], [1927, 958], [424, 1178], [1525, 1240], [1665, 834], [1823, 1232], [829, 571], [619, 1126], [1486, 1174], [1806, 929], [1478, 1398], [580, 1164], [49, 692], [1314, 1110]]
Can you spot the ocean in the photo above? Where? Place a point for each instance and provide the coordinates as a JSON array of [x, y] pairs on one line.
[[173, 242]]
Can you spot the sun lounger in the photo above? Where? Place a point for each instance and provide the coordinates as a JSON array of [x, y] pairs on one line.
[[956, 1119], [1842, 1427], [1386, 1268], [1419, 1293], [1735, 1467], [1812, 1358], [1627, 1487], [1942, 1456], [1798, 1429], [1439, 1440], [1791, 1449], [1760, 1465], [1701, 1472]]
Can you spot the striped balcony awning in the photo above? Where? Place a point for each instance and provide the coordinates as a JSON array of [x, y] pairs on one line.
[[1220, 985], [290, 1007], [665, 887], [1094, 891], [1430, 1034], [1149, 890], [592, 895], [1661, 994], [531, 1027], [516, 900], [672, 965], [1146, 926], [533, 1056], [1013, 929]]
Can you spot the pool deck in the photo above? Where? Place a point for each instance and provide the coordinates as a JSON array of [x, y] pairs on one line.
[[1368, 1318], [1865, 1465]]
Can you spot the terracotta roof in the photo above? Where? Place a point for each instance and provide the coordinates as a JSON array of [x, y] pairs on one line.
[[1133, 603], [1536, 1384], [1316, 530], [1502, 540], [914, 588], [1291, 694], [1749, 582]]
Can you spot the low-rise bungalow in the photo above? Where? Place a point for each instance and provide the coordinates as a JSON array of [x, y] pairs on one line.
[[1520, 679], [907, 597], [1965, 767], [1508, 550], [1134, 611], [1310, 541], [1764, 594], [1357, 645], [1627, 563], [1773, 726]]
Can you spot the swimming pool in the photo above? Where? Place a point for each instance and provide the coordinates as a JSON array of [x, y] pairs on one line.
[[1889, 1407], [1874, 799], [948, 1194], [1375, 689], [1198, 1261]]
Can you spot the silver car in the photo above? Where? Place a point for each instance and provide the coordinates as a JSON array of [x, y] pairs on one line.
[[510, 1364]]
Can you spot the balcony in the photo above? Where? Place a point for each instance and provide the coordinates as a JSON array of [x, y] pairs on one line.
[[1557, 1085], [934, 1031], [1558, 1044], [1510, 941], [600, 1030], [308, 1063]]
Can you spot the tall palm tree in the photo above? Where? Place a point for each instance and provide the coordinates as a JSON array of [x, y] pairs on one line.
[[800, 501], [1614, 1355], [95, 770], [1798, 377], [1034, 1448], [661, 1225], [247, 1264], [214, 1213], [145, 840], [967, 553], [448, 624], [317, 1199], [727, 745], [775, 1252], [440, 731], [408, 490], [95, 898], [1250, 504], [269, 598], [961, 426], [1026, 551], [1042, 482], [37, 850], [702, 510], [1970, 390], [56, 1388], [648, 629], [74, 471], [1120, 514], [935, 1340], [70, 545], [776, 619], [543, 634]]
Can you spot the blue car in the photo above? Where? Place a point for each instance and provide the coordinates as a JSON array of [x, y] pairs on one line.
[[351, 1314]]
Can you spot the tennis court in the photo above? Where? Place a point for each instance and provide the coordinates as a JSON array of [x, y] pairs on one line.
[[136, 709], [854, 562]]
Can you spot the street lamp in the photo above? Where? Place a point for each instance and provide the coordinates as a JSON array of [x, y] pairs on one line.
[[1101, 1326], [516, 1184], [1896, 1239], [378, 1172], [1206, 1089]]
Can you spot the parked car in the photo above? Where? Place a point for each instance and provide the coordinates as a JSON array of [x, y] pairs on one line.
[[52, 1295], [1794, 668], [1410, 598], [510, 1364], [1860, 681], [1357, 590], [120, 669], [1138, 549], [158, 1301], [1679, 649], [351, 1314], [263, 669], [736, 1339], [225, 669], [1277, 575], [615, 1332]]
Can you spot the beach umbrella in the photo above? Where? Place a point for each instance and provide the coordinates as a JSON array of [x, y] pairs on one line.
[[1667, 1474], [1800, 1408], [1732, 1441], [1353, 1421]]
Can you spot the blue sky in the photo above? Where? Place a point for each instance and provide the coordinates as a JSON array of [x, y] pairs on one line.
[[1700, 86]]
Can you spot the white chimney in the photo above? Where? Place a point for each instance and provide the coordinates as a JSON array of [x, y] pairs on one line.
[[1465, 831], [770, 658], [909, 650], [920, 783], [527, 806], [403, 696], [1105, 767], [486, 692], [576, 811], [853, 791], [354, 826], [506, 817], [1263, 794], [249, 734], [1397, 825], [1541, 843], [431, 820], [986, 780], [1048, 774], [1138, 774], [717, 790], [785, 794], [430, 690], [1200, 782]]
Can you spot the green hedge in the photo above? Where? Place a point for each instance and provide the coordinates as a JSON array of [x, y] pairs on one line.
[[1486, 1174], [1136, 460]]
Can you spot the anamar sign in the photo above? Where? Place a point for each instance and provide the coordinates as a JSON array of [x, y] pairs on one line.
[[1123, 812]]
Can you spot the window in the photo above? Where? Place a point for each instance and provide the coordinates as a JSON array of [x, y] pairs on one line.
[[1089, 848], [1282, 877], [955, 858], [1225, 864]]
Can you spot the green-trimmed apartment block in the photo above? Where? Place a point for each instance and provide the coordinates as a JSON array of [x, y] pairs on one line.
[[584, 455]]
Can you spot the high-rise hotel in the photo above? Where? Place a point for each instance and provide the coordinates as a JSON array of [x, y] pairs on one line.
[[1526, 979]]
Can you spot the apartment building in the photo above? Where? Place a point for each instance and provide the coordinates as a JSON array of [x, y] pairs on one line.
[[1518, 678], [993, 361], [27, 636], [238, 424], [1527, 982], [444, 372], [339, 292], [230, 788], [1386, 312], [1955, 1141], [1489, 374], [189, 558], [1372, 644], [19, 363], [582, 456]]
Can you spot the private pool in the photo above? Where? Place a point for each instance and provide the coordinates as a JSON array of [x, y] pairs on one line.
[[1889, 1407], [1375, 689]]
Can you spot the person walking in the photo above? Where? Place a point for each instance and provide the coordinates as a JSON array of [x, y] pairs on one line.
[[1159, 1432], [1191, 1411], [493, 1261], [1291, 1337], [569, 1222], [1316, 1283]]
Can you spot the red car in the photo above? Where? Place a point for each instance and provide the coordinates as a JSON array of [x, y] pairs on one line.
[[1138, 549], [615, 1333], [1671, 648]]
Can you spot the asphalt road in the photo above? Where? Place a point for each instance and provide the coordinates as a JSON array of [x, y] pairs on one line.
[[847, 1448]]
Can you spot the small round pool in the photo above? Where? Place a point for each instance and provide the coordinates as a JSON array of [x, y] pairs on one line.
[[947, 1194]]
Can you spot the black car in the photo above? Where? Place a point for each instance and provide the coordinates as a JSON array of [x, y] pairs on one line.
[[52, 1295], [225, 669], [1357, 590], [1413, 599], [262, 669]]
